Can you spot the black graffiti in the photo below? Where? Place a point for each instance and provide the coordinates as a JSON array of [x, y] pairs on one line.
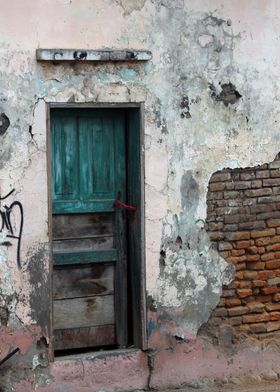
[[6, 223]]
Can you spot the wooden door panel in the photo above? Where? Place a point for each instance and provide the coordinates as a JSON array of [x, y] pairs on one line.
[[87, 244], [65, 159], [103, 335], [83, 312], [89, 255], [70, 226], [71, 282]]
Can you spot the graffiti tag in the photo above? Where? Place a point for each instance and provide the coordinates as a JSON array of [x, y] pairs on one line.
[[6, 223]]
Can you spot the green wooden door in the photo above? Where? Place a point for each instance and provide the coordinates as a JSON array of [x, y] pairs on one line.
[[88, 170]]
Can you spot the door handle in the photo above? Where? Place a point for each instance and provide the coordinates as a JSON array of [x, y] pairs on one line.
[[119, 203]]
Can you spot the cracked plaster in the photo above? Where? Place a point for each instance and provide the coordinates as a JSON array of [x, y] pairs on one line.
[[194, 46]]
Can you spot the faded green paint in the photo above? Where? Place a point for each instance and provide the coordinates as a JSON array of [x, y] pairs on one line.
[[88, 159], [100, 256]]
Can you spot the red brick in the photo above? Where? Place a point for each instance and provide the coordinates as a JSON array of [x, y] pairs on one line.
[[216, 187], [268, 215], [240, 266], [229, 303], [273, 281], [220, 177], [255, 318], [262, 174], [255, 307], [256, 291], [229, 186], [215, 226], [224, 246], [268, 256], [271, 181], [222, 302], [275, 239], [237, 311], [264, 298], [263, 241], [250, 275], [235, 321], [269, 290], [239, 275], [239, 185], [273, 326], [259, 283], [215, 196], [231, 227], [258, 192], [231, 195], [278, 230], [268, 199], [274, 316], [261, 208], [263, 275], [228, 293], [243, 328], [242, 244], [259, 225], [243, 293], [263, 233], [237, 252], [276, 190], [275, 173], [272, 264], [276, 297], [216, 235], [237, 259], [247, 176], [258, 327], [273, 223], [252, 250], [238, 236], [220, 312], [272, 307], [250, 258], [258, 265], [245, 284], [256, 184]]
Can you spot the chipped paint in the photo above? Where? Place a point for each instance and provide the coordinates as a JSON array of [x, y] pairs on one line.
[[210, 93]]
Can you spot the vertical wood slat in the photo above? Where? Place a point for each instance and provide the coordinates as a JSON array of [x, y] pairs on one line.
[[120, 219]]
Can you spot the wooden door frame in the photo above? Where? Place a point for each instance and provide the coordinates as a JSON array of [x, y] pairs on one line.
[[142, 341]]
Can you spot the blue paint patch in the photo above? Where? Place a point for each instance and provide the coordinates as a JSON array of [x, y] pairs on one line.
[[127, 74], [151, 327]]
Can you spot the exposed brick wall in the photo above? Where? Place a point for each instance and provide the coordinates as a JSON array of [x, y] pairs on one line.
[[243, 221]]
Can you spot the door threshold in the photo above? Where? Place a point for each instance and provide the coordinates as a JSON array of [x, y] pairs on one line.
[[97, 354]]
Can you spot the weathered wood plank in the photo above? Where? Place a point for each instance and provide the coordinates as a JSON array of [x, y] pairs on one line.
[[99, 256], [71, 282], [83, 312], [84, 337], [82, 225], [84, 244]]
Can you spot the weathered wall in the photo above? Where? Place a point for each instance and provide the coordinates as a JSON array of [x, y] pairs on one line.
[[211, 97]]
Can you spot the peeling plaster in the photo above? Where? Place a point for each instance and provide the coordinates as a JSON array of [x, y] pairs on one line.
[[198, 49]]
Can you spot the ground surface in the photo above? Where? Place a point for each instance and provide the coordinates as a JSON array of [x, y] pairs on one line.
[[262, 387]]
